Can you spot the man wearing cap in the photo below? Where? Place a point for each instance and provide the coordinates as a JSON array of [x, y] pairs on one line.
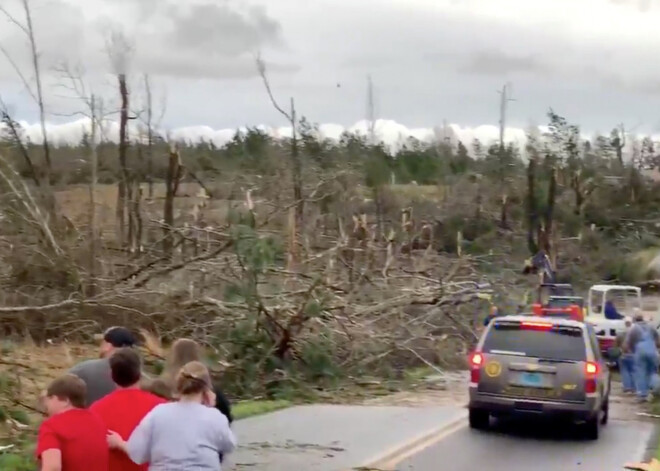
[[96, 373]]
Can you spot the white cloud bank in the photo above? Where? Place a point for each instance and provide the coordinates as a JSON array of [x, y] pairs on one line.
[[387, 131], [391, 133]]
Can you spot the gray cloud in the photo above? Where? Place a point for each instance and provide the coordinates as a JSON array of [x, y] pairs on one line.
[[643, 86], [56, 40], [426, 63], [193, 39], [209, 40], [500, 63], [217, 29]]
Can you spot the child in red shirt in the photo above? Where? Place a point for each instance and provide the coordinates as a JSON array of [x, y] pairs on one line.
[[72, 438], [123, 409]]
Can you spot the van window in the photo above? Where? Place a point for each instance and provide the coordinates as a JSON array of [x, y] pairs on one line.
[[565, 344]]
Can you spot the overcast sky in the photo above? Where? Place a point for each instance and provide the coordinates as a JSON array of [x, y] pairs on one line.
[[593, 61]]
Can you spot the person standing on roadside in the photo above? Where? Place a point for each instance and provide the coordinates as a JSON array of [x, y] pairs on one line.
[[184, 351], [72, 438], [626, 360], [123, 409], [494, 312], [643, 341], [96, 373], [187, 435]]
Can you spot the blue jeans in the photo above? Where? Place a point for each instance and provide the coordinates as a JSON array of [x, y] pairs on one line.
[[646, 365], [627, 369]]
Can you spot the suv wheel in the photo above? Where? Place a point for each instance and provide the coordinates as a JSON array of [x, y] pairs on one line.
[[592, 428], [479, 419]]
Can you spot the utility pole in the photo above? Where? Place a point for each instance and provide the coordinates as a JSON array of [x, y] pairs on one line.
[[371, 112], [446, 139], [504, 100]]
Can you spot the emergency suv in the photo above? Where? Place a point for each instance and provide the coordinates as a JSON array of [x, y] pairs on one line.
[[539, 366]]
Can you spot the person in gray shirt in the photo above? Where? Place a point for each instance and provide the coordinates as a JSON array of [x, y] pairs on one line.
[[96, 373], [187, 435]]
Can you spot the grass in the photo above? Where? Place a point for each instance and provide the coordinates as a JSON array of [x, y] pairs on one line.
[[16, 462], [245, 409]]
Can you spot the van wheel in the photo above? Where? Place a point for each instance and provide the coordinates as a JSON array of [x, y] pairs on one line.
[[606, 412], [479, 419], [592, 428]]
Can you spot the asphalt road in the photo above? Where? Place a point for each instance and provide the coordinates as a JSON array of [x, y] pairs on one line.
[[331, 437], [525, 446]]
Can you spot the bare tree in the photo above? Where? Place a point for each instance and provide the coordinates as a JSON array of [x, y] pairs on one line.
[[149, 130], [150, 137], [15, 135], [618, 141], [174, 175], [119, 51], [27, 27], [296, 165], [93, 160], [73, 81]]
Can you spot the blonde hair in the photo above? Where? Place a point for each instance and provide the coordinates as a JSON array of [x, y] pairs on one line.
[[193, 378], [183, 351]]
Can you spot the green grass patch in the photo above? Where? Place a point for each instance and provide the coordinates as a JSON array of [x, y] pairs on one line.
[[16, 462], [245, 409]]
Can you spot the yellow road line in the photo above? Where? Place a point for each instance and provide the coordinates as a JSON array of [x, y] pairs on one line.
[[394, 456]]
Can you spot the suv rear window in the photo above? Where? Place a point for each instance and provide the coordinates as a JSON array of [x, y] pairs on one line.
[[566, 344]]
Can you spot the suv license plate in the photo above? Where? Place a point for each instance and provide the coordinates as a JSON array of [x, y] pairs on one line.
[[531, 379]]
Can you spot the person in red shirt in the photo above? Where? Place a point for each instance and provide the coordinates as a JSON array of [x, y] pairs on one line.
[[123, 409], [72, 438]]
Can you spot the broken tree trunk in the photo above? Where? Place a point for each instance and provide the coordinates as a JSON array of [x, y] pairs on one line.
[[122, 193], [171, 187]]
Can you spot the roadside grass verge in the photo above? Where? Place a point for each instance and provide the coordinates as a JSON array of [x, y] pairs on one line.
[[245, 409], [15, 462]]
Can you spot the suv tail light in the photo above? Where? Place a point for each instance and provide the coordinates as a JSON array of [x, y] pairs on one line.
[[591, 371], [531, 325], [476, 361]]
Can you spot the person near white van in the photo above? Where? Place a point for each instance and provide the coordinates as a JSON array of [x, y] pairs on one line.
[[643, 342]]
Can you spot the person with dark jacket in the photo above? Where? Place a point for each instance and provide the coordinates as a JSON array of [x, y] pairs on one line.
[[222, 403], [611, 313]]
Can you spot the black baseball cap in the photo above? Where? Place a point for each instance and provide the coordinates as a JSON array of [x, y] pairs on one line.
[[118, 337]]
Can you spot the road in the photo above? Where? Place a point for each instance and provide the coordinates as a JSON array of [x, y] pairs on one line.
[[516, 446], [331, 437]]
